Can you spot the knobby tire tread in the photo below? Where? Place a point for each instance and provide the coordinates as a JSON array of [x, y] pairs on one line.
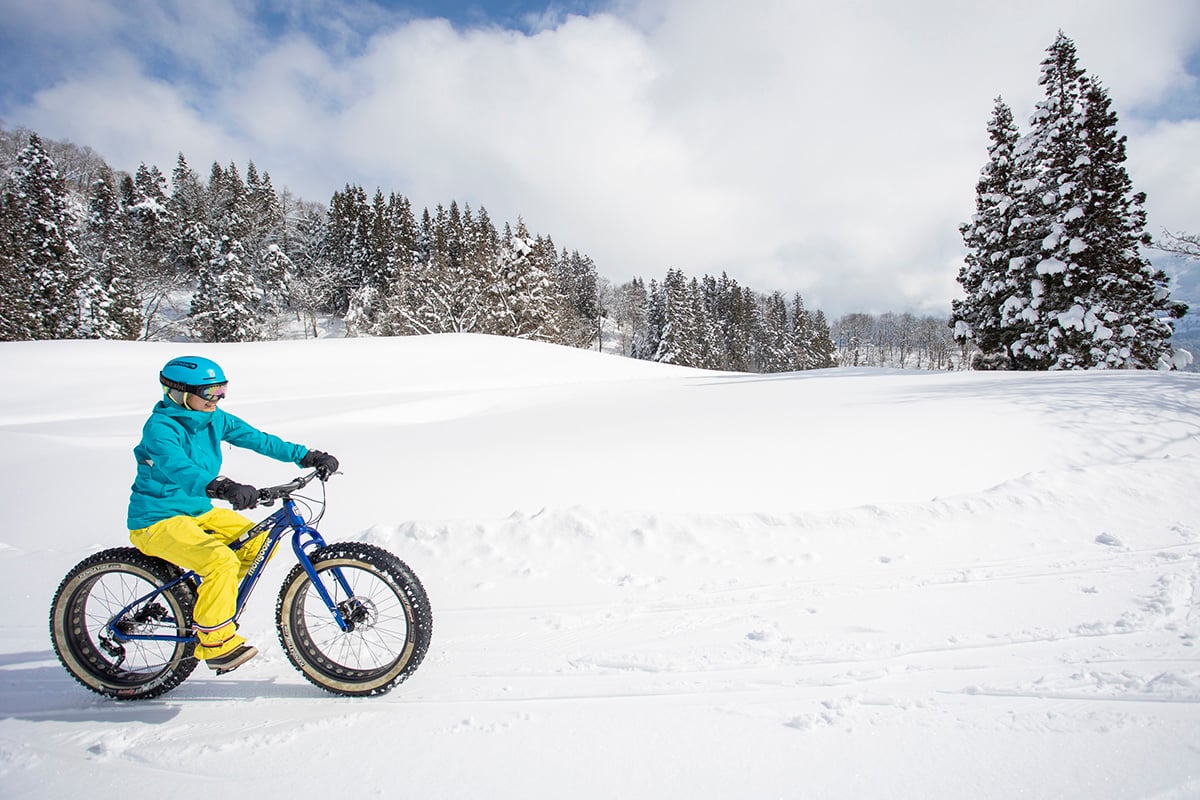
[[70, 635], [311, 658]]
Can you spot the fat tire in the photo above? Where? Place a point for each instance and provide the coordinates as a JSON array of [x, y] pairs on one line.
[[100, 586], [392, 642]]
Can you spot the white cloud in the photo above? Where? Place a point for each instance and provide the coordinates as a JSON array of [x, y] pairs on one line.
[[821, 147], [1159, 158], [127, 117]]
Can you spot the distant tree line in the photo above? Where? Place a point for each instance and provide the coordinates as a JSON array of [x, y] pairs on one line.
[[713, 323], [894, 340], [89, 253], [102, 264]]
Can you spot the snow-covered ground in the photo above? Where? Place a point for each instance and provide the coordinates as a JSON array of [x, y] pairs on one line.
[[650, 582]]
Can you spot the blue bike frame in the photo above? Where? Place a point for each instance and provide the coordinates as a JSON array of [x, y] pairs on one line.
[[304, 538]]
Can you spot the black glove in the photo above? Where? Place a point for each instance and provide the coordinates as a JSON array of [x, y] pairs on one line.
[[324, 463], [239, 495]]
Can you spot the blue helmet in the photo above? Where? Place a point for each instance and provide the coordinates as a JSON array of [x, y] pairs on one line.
[[191, 373]]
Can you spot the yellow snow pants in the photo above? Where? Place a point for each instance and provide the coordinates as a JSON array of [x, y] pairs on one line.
[[201, 544]]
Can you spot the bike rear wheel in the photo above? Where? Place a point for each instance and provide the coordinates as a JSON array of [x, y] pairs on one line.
[[89, 597], [390, 620]]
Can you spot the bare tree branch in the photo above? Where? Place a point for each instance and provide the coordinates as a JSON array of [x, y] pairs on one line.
[[1183, 244]]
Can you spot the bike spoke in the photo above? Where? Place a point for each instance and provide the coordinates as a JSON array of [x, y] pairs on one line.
[[374, 643], [112, 593]]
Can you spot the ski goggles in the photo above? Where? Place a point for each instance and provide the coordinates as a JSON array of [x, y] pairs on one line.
[[213, 394]]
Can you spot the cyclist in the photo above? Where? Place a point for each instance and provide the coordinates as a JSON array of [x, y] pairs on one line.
[[171, 515]]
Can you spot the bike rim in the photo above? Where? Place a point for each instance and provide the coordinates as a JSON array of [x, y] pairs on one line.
[[97, 603], [381, 636]]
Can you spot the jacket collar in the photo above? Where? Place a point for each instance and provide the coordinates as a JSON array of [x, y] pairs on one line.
[[192, 421]]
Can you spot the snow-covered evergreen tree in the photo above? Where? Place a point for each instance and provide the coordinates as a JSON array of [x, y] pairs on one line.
[[187, 208], [270, 266], [737, 314], [152, 230], [1075, 291], [775, 343], [824, 351], [43, 270], [710, 343], [373, 265], [274, 274], [522, 298], [225, 307], [447, 295], [984, 276], [110, 309], [14, 303], [347, 244], [678, 343], [579, 286], [803, 354]]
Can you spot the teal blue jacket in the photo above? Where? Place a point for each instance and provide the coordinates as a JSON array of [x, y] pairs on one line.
[[180, 454]]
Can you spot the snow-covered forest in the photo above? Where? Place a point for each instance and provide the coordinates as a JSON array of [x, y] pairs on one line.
[[1055, 275], [91, 253]]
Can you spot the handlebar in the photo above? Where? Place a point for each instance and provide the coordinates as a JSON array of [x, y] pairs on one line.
[[268, 495]]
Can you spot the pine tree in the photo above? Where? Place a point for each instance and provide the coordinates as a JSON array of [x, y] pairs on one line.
[[43, 266], [656, 319], [271, 266], [187, 219], [348, 246], [14, 283], [984, 275], [376, 247], [274, 274], [735, 321], [152, 232], [445, 298], [524, 293], [227, 209], [579, 284], [225, 307], [775, 344], [679, 342], [1128, 298], [111, 310], [396, 300], [803, 355], [824, 350], [711, 342], [1075, 293]]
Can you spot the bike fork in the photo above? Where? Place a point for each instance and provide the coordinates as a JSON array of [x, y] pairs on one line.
[[304, 539]]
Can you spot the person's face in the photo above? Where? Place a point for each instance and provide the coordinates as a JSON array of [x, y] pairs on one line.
[[206, 398], [197, 403]]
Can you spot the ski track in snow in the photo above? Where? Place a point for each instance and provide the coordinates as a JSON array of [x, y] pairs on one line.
[[1034, 636]]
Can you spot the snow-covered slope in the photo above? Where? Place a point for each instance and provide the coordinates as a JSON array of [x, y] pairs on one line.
[[651, 581]]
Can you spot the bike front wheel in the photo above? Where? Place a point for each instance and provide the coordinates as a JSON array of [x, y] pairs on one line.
[[389, 621], [93, 594]]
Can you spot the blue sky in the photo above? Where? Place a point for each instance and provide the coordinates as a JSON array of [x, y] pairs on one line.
[[828, 148], [507, 13]]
